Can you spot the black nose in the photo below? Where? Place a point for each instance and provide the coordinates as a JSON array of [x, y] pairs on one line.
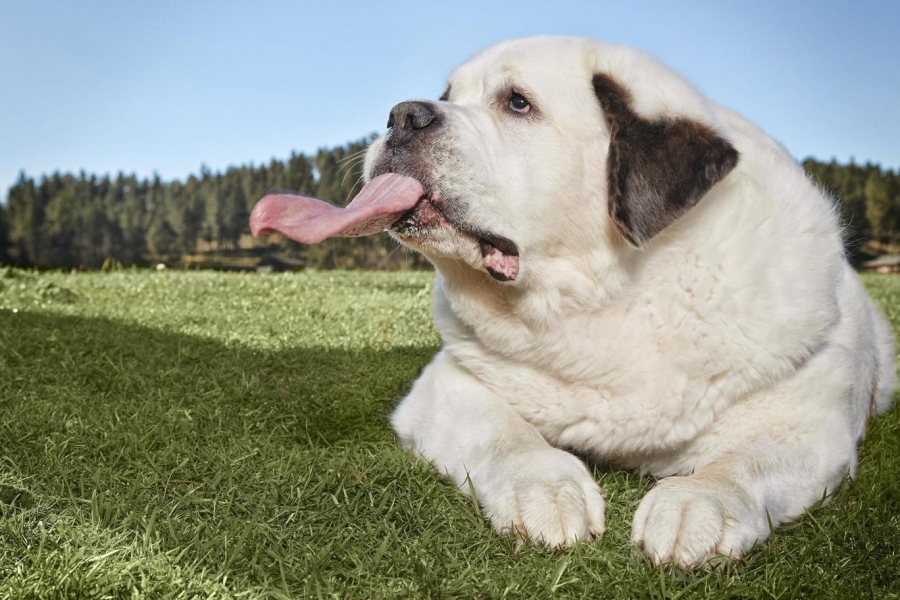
[[411, 116]]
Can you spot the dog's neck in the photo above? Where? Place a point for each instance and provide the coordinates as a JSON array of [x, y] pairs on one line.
[[549, 291]]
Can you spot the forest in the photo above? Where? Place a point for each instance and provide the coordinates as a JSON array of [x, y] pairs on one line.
[[65, 220]]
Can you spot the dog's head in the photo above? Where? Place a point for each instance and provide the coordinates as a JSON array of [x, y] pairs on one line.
[[550, 148]]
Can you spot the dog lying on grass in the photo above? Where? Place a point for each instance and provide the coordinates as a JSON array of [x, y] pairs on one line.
[[627, 271]]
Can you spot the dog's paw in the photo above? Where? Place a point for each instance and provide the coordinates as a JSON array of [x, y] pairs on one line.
[[687, 521], [546, 496]]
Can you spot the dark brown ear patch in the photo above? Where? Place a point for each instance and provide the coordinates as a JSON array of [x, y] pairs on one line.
[[656, 170]]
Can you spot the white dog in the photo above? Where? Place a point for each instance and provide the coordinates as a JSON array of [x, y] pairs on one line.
[[632, 272]]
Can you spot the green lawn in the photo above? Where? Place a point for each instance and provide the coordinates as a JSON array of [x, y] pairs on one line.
[[209, 435]]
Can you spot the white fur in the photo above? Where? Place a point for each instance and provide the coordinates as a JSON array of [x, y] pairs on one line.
[[737, 355]]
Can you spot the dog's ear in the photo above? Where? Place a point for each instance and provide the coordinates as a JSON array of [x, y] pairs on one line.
[[656, 170]]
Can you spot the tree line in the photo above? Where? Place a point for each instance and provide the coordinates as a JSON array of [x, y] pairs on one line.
[[68, 220], [869, 198]]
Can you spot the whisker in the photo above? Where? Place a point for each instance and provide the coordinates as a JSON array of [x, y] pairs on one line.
[[356, 183], [350, 166], [354, 155], [347, 174]]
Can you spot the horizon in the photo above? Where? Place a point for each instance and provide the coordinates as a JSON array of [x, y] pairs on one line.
[[168, 88]]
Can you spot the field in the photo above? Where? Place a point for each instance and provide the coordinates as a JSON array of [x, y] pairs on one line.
[[215, 435]]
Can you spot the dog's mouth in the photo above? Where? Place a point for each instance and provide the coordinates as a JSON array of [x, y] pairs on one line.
[[389, 200], [499, 254]]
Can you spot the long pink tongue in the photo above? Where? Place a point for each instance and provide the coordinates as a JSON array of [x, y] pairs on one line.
[[309, 220]]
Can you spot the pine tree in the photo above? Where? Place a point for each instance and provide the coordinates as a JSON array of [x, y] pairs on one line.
[[58, 233], [112, 198], [26, 216], [300, 175], [212, 206], [893, 187], [233, 215], [194, 213], [90, 241], [184, 212], [851, 182], [161, 239], [133, 219], [878, 204], [4, 234]]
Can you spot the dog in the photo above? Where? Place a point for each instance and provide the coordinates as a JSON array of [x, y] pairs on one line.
[[629, 273]]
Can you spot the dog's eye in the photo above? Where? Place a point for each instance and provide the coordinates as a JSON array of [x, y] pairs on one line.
[[519, 103]]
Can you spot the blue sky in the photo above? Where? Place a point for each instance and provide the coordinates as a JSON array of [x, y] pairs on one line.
[[167, 86]]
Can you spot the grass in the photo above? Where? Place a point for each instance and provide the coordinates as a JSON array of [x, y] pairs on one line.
[[208, 435]]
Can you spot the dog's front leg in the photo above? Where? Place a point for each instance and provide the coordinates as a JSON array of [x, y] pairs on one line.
[[525, 486], [732, 503]]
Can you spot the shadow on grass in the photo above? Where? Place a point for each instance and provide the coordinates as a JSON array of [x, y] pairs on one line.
[[72, 370], [234, 459]]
